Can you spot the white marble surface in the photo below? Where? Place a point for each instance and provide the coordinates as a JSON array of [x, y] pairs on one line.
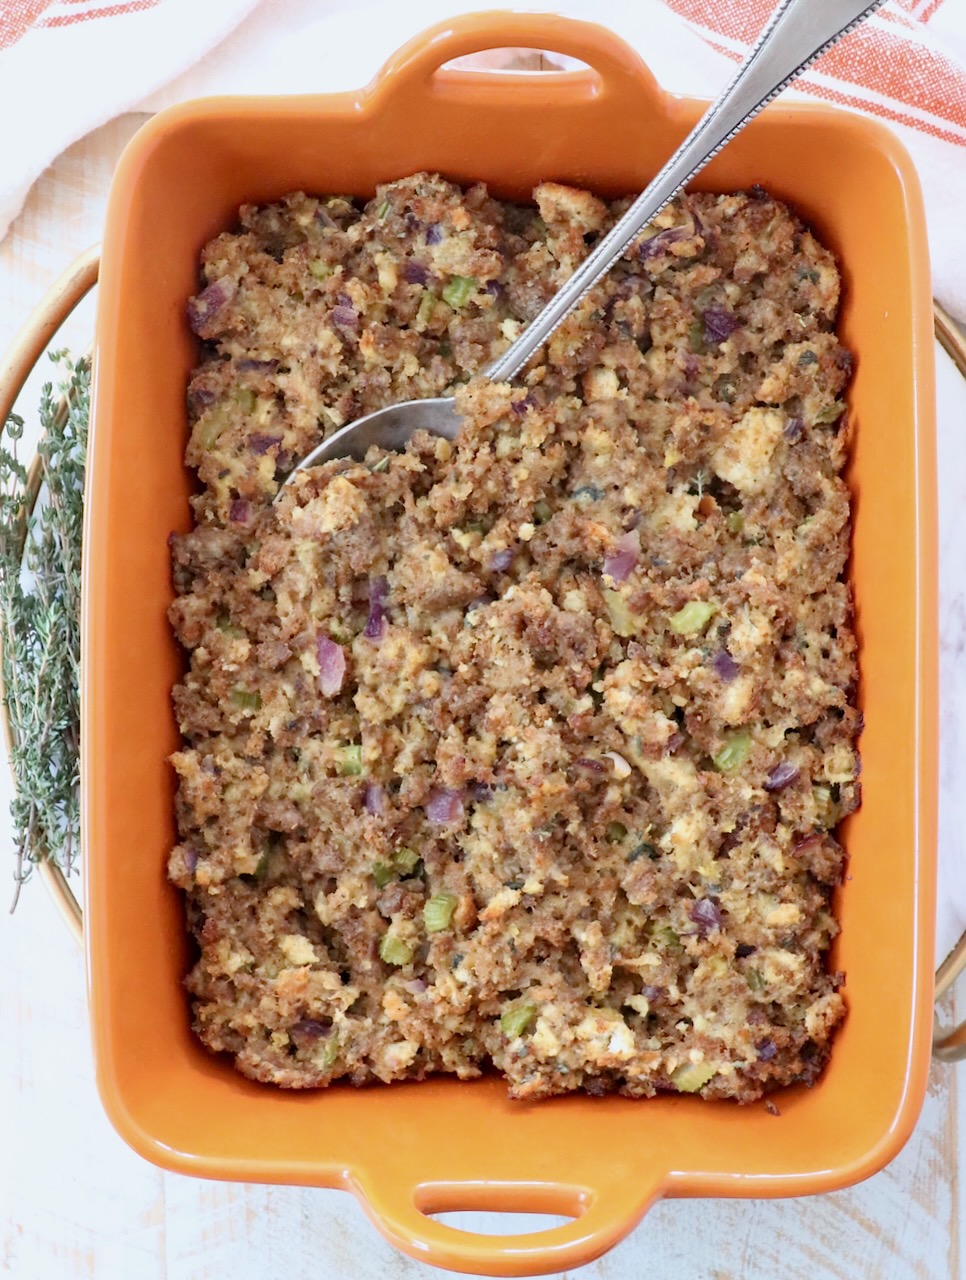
[[75, 1202]]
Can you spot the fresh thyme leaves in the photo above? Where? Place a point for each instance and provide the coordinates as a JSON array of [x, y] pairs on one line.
[[40, 568]]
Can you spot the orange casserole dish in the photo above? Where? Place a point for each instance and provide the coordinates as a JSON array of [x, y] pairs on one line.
[[408, 1151]]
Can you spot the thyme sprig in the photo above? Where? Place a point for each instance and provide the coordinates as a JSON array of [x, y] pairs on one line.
[[40, 577]]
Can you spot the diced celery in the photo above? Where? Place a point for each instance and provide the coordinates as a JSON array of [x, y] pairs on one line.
[[319, 269], [378, 468], [438, 912], [210, 427], [755, 980], [394, 950], [541, 512], [692, 618], [458, 290], [666, 938], [616, 831], [246, 399], [735, 522], [734, 753], [405, 860], [382, 873], [427, 305], [246, 700], [518, 1019], [692, 1076], [349, 760], [383, 209], [329, 1051], [622, 620], [339, 633], [696, 337], [831, 413]]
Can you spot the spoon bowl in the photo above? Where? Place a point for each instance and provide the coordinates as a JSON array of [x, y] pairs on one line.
[[389, 428]]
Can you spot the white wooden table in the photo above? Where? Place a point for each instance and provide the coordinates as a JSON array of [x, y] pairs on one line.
[[76, 1202]]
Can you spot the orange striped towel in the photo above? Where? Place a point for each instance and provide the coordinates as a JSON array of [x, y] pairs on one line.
[[906, 65], [894, 66]]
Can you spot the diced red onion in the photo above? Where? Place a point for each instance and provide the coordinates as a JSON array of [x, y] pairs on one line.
[[256, 366], [676, 740], [480, 792], [783, 775], [620, 562], [725, 665], [493, 288], [719, 324], [445, 805], [191, 859], [793, 430], [200, 398], [416, 986], [260, 444], [310, 1028], [479, 603], [590, 766], [690, 364], [807, 843], [521, 406], [203, 308], [415, 272], [376, 621], [331, 665], [434, 233], [348, 317], [375, 800], [239, 510], [324, 218], [661, 243], [500, 561], [706, 914], [767, 1050], [653, 994], [344, 312]]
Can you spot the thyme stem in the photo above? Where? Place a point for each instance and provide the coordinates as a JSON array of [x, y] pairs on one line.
[[40, 575]]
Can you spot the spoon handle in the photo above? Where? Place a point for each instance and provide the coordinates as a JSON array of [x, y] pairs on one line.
[[797, 33]]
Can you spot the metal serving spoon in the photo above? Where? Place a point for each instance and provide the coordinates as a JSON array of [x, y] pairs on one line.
[[797, 33]]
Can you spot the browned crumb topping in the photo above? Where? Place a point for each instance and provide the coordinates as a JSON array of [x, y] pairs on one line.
[[526, 750]]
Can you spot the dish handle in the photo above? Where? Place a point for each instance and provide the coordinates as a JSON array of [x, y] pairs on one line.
[[601, 1214], [416, 76]]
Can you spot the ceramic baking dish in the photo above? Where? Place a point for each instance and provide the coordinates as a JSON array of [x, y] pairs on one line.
[[411, 1150]]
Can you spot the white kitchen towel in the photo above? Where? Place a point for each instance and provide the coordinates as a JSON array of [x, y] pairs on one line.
[[67, 66]]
